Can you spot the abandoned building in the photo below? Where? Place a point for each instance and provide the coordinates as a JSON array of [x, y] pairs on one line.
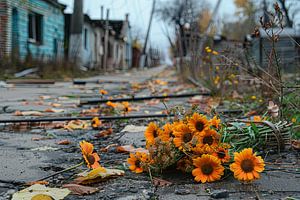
[[287, 48], [32, 28], [92, 50]]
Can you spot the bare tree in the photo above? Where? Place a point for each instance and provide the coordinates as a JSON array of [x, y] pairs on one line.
[[181, 15]]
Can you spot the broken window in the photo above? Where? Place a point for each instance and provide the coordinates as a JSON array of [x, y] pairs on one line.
[[35, 24]]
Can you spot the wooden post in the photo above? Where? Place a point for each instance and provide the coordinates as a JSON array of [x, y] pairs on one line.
[[106, 41]]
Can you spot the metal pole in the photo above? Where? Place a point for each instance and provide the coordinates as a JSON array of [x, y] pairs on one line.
[[96, 101], [103, 118]]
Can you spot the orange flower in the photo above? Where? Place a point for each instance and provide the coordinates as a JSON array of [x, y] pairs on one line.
[[209, 137], [215, 122], [103, 92], [222, 154], [96, 122], [151, 133], [184, 137], [136, 161], [91, 158], [167, 132], [111, 104], [208, 168], [126, 107], [197, 123], [256, 118], [247, 165]]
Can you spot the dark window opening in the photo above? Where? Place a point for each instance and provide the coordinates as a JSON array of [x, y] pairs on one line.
[[85, 38], [35, 24]]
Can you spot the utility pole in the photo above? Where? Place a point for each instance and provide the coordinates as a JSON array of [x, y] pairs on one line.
[[101, 12], [144, 57], [75, 40], [106, 41]]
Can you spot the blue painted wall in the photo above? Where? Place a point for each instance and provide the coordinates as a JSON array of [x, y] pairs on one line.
[[52, 29]]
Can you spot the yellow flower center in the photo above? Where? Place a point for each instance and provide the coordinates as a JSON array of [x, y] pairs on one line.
[[247, 165], [91, 159], [199, 126], [208, 140], [207, 169], [187, 137]]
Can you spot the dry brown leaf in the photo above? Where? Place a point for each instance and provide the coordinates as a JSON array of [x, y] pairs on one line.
[[251, 113], [76, 124], [45, 97], [153, 102], [213, 102], [98, 175], [28, 113], [91, 112], [37, 182], [104, 133], [108, 147], [125, 148], [196, 99], [296, 144], [55, 105], [53, 110], [64, 142], [236, 95], [80, 189], [161, 182]]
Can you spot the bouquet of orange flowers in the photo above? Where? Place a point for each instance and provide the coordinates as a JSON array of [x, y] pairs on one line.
[[194, 145]]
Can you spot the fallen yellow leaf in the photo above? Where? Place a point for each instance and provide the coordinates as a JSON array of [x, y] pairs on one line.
[[97, 175], [38, 191]]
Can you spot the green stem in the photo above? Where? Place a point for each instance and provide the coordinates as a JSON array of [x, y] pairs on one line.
[[62, 171]]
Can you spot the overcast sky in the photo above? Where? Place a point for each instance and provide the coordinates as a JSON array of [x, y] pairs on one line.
[[139, 14]]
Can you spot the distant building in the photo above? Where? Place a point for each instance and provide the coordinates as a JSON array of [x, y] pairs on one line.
[[32, 28], [91, 54], [287, 48]]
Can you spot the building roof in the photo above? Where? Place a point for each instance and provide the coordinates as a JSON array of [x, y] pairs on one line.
[[56, 3], [286, 32], [115, 26]]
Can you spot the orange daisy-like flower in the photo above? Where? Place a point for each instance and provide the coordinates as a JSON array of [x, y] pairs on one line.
[[197, 122], [208, 168], [126, 107], [167, 132], [222, 154], [215, 122], [136, 160], [111, 104], [209, 137], [247, 165], [91, 158], [151, 133], [103, 92], [96, 122], [184, 136]]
